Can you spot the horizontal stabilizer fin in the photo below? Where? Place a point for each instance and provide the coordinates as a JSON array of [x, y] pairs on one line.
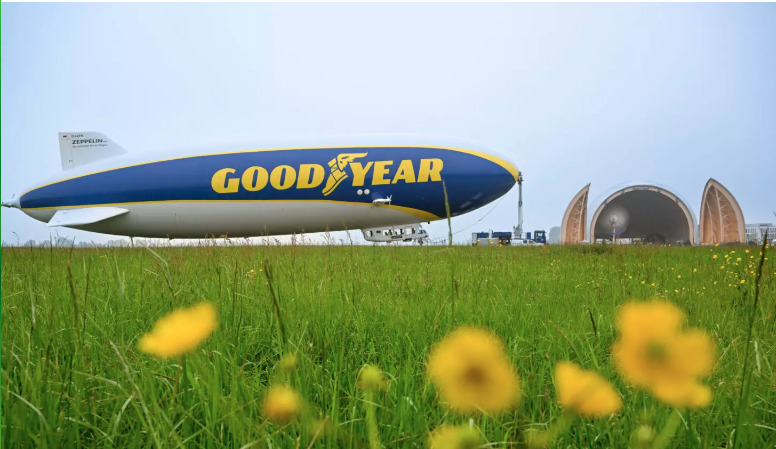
[[82, 147], [87, 215]]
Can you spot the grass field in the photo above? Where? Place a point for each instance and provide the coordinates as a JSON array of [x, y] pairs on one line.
[[73, 376]]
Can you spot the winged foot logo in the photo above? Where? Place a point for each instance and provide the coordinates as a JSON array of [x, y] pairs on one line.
[[310, 176], [337, 167]]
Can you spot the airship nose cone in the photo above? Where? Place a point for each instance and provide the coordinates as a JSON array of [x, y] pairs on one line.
[[480, 180]]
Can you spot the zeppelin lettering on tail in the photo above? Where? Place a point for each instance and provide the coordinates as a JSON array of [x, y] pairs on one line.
[[243, 191]]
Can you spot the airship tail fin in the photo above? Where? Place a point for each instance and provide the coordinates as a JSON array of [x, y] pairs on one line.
[[87, 215], [82, 147]]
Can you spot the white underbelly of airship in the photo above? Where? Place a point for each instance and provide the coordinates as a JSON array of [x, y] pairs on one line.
[[235, 219]]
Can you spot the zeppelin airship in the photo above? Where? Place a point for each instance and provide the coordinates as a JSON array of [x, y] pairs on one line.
[[260, 190]]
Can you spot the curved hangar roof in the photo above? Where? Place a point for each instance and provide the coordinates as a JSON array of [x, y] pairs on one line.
[[654, 213]]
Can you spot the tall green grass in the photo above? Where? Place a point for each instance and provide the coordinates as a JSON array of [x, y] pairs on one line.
[[72, 375]]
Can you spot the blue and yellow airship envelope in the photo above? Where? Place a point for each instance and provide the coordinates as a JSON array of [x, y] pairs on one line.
[[264, 190]]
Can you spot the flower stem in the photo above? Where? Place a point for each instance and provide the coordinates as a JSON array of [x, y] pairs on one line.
[[180, 378], [276, 305], [544, 439], [560, 426], [746, 378], [371, 421], [665, 435]]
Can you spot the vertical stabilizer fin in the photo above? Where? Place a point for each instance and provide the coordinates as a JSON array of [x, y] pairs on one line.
[[82, 147]]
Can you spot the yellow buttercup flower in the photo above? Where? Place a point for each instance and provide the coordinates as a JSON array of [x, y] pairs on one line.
[[454, 437], [281, 405], [180, 332], [653, 352], [472, 373], [690, 394], [585, 392]]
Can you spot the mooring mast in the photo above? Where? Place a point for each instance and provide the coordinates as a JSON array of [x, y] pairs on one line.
[[519, 229]]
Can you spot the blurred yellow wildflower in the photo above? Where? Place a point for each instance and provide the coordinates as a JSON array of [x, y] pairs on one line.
[[472, 373], [454, 437], [652, 351], [585, 392], [180, 332], [372, 378], [281, 405], [715, 256]]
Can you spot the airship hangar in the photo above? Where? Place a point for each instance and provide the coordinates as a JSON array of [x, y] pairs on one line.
[[651, 213]]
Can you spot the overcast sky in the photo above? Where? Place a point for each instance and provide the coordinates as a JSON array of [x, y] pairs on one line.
[[571, 93]]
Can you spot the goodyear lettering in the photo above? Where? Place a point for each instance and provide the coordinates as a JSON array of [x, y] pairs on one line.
[[255, 179], [282, 177], [360, 172], [430, 169], [221, 184], [378, 174], [311, 176], [404, 173]]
